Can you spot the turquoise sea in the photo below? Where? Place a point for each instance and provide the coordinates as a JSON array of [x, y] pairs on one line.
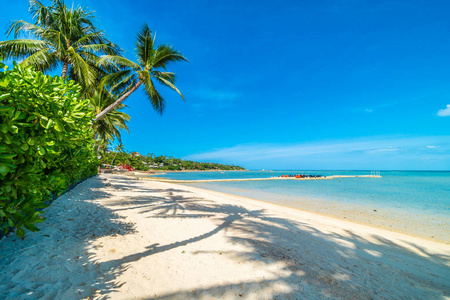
[[420, 195]]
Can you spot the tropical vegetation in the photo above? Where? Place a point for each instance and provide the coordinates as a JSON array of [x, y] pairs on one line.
[[54, 129], [46, 143], [151, 65], [162, 162], [63, 37], [108, 128]]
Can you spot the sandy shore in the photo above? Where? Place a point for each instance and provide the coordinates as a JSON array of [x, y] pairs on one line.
[[113, 237]]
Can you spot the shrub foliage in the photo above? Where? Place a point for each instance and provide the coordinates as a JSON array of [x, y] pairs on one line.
[[46, 143]]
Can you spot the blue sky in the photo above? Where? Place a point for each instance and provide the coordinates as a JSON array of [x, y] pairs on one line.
[[292, 84]]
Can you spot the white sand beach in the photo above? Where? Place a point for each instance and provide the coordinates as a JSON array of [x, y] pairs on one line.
[[113, 237]]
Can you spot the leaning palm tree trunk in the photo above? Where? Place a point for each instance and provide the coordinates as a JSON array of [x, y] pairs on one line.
[[151, 60], [113, 159], [64, 70], [117, 102], [99, 148]]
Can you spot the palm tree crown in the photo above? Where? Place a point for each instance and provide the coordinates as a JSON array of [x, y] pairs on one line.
[[151, 65], [107, 129], [63, 36]]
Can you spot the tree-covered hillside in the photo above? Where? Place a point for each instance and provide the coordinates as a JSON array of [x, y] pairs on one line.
[[162, 162]]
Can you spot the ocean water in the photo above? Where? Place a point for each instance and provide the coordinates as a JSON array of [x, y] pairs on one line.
[[422, 196]]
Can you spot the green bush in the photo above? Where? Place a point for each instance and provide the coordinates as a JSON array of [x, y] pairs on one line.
[[46, 143]]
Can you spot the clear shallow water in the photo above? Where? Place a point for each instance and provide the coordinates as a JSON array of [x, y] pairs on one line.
[[418, 192]]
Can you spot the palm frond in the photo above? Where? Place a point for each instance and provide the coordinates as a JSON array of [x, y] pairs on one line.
[[42, 60], [116, 78], [169, 84], [124, 85], [96, 48], [119, 61], [61, 43], [145, 45], [169, 76], [41, 13], [89, 38], [153, 95], [21, 48], [68, 34], [108, 127], [21, 26], [82, 69], [93, 59], [166, 54]]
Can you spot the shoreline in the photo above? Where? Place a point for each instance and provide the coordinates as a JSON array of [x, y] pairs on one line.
[[120, 238], [390, 220], [346, 213], [409, 223]]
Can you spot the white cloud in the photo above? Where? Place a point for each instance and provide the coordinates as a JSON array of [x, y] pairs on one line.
[[444, 112], [368, 110], [380, 150], [374, 153], [213, 98], [432, 147], [217, 95]]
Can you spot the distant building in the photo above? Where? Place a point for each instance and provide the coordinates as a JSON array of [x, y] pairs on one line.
[[135, 154]]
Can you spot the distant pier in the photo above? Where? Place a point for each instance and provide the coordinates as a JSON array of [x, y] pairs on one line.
[[254, 179]]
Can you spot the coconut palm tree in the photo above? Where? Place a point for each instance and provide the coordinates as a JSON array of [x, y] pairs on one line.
[[119, 149], [107, 129], [151, 65], [64, 37]]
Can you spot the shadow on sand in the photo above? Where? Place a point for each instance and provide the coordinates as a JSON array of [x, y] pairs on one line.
[[320, 265], [313, 265], [55, 263]]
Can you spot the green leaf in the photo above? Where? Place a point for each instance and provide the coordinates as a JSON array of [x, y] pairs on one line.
[[68, 120], [7, 138], [31, 142], [45, 158], [14, 129], [4, 169], [4, 128], [43, 122], [20, 232], [43, 164], [50, 123], [16, 115], [78, 115], [4, 83], [31, 227], [58, 126], [4, 96], [41, 150]]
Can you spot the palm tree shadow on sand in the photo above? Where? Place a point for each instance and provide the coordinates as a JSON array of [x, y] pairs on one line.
[[55, 262], [314, 264]]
